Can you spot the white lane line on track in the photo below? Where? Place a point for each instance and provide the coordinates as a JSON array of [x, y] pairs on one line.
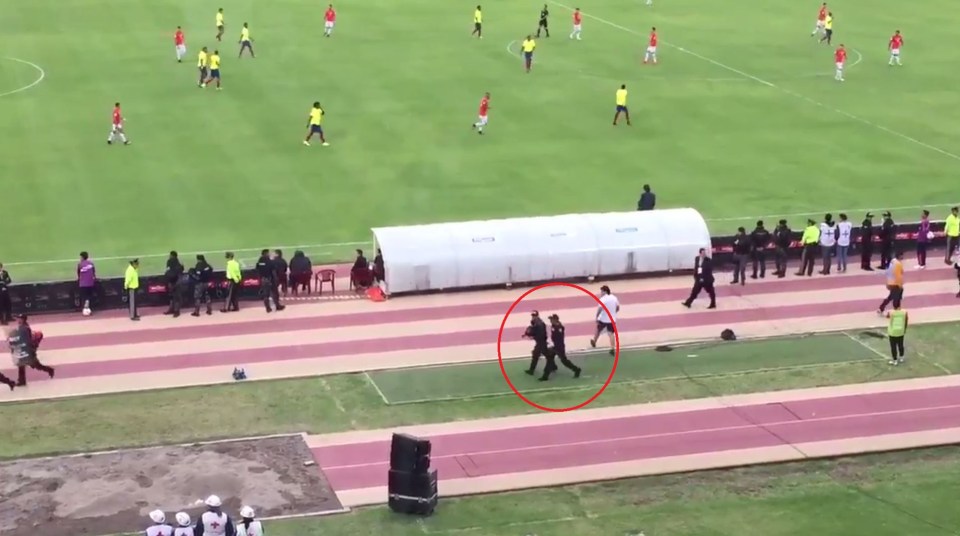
[[772, 85], [39, 79], [759, 426]]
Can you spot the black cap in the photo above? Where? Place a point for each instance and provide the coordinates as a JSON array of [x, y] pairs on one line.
[[869, 215], [22, 317], [886, 214], [534, 313], [554, 317]]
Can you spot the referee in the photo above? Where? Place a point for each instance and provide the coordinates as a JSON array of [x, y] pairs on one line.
[[544, 13]]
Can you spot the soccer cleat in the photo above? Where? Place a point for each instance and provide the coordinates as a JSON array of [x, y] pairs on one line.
[[109, 142], [325, 144], [203, 84], [126, 142], [307, 143]]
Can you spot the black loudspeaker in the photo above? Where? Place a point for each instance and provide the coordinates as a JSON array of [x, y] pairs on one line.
[[409, 454], [410, 493]]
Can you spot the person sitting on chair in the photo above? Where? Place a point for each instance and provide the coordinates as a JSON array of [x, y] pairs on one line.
[[301, 270], [360, 274]]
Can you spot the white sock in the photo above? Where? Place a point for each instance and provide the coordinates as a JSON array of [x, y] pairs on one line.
[[839, 74], [110, 136], [646, 57], [479, 127]]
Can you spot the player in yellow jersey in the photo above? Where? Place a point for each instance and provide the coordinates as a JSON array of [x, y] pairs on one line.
[[202, 65], [214, 61], [315, 125], [477, 23], [528, 46], [622, 105], [245, 42], [220, 25]]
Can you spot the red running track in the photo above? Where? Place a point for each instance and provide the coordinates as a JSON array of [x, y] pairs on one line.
[[559, 446]]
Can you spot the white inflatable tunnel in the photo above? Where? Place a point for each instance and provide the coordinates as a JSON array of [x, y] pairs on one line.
[[448, 256]]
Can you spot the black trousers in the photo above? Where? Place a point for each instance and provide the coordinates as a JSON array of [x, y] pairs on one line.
[[866, 255], [543, 26], [922, 253], [894, 295], [539, 349], [86, 297], [760, 261], [781, 260], [201, 295], [886, 254], [268, 291], [33, 363], [698, 286], [896, 346], [809, 259], [7, 381], [176, 298], [561, 354], [233, 297], [739, 268], [952, 243], [6, 308]]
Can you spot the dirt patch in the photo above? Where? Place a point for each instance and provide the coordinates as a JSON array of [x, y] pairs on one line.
[[112, 492]]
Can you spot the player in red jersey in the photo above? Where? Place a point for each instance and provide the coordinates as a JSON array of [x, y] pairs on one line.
[[895, 43], [577, 20], [651, 54], [180, 44], [484, 106], [840, 57], [821, 20], [117, 129], [329, 19]]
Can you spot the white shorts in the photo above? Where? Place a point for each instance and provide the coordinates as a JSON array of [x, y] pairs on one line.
[[576, 27], [895, 51], [820, 24], [117, 128], [840, 66], [651, 50], [328, 25], [483, 120], [181, 49]]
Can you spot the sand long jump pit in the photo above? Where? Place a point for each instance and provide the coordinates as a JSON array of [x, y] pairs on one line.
[[112, 492]]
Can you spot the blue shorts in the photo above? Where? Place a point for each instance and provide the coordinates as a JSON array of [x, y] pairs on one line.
[[316, 129], [622, 109], [214, 73], [528, 55]]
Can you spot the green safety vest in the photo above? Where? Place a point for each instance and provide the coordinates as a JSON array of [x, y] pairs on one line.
[[898, 323]]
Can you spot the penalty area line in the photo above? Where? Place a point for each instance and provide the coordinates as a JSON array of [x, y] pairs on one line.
[[43, 74]]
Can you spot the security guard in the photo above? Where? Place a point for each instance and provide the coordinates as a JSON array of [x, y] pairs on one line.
[[741, 252], [249, 526], [200, 277], [810, 241], [951, 228], [782, 238], [537, 331], [759, 240], [559, 349], [268, 281], [214, 522], [281, 269], [23, 346], [173, 277], [702, 280], [6, 307], [131, 282], [184, 522], [866, 243], [159, 527], [233, 281], [887, 234], [896, 331]]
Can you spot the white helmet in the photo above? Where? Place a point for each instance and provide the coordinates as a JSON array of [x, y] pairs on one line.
[[157, 516], [213, 501], [247, 512], [183, 519]]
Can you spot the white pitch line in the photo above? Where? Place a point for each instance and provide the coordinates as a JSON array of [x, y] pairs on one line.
[[376, 388], [774, 86], [867, 346], [39, 79]]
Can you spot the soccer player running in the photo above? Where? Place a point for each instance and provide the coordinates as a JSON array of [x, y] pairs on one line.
[[329, 19], [179, 44], [245, 42], [202, 59], [895, 43], [214, 62], [477, 23], [220, 25], [827, 29], [528, 46], [117, 129], [840, 57], [315, 125], [651, 54], [543, 25], [821, 19], [482, 120], [622, 105], [577, 21]]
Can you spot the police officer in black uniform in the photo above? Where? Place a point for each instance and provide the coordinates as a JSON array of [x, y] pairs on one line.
[[544, 13], [759, 240], [888, 232], [268, 281], [22, 338], [6, 307], [559, 350], [741, 252], [702, 280], [281, 269], [200, 276], [782, 238], [537, 331], [866, 243], [173, 276]]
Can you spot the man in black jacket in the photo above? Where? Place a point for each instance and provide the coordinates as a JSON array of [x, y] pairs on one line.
[[559, 350], [759, 240], [200, 276], [544, 24], [537, 331], [6, 307], [888, 232], [741, 252], [280, 267], [268, 286], [866, 243], [702, 280], [648, 199], [782, 238], [21, 341], [174, 284]]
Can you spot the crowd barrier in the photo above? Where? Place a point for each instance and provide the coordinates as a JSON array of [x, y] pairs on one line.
[[456, 256]]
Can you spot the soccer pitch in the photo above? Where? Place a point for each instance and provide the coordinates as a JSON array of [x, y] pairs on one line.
[[740, 118]]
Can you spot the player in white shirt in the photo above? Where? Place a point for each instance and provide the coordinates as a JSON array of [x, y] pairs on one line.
[[214, 522], [606, 322], [185, 528], [248, 525], [159, 527]]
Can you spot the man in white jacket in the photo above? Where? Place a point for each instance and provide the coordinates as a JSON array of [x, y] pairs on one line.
[[214, 522], [248, 525]]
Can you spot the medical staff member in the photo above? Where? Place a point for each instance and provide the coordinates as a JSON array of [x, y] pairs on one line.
[[185, 527], [159, 527], [214, 522], [248, 525]]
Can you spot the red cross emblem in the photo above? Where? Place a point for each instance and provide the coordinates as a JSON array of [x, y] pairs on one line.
[[214, 524]]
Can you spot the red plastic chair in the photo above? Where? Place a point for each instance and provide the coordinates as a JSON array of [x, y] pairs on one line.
[[325, 276]]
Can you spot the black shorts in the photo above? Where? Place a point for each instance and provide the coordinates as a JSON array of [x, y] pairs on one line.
[[476, 26], [543, 23], [604, 327], [828, 32], [86, 295]]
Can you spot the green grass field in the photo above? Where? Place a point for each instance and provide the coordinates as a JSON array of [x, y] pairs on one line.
[[741, 118]]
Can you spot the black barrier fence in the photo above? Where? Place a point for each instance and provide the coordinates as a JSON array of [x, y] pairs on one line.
[[64, 296]]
